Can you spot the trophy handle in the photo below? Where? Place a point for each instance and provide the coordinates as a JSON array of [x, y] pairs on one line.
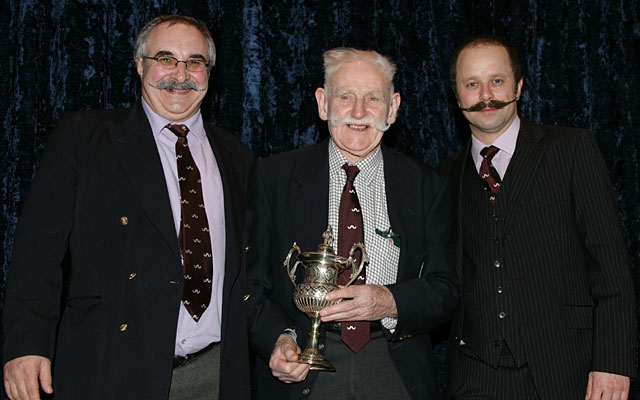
[[350, 263], [292, 271]]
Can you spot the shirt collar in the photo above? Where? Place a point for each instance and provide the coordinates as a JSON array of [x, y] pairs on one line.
[[158, 123], [368, 166], [505, 142]]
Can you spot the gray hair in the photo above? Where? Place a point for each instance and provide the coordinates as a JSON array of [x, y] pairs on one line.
[[141, 40], [334, 58]]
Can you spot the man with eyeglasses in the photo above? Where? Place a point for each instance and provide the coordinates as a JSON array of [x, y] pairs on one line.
[[147, 205]]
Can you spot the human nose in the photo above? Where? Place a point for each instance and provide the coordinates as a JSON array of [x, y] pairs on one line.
[[485, 92], [358, 111], [180, 71]]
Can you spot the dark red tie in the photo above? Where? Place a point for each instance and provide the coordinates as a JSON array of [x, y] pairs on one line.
[[194, 239], [489, 175], [351, 230]]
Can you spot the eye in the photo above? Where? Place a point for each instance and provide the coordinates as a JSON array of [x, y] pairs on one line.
[[195, 62], [471, 84], [165, 60], [374, 99], [498, 81]]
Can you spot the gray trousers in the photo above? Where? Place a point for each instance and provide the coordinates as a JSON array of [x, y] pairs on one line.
[[198, 379], [369, 375]]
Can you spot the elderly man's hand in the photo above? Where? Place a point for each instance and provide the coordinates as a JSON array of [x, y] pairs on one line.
[[284, 361], [360, 303], [23, 377], [605, 386]]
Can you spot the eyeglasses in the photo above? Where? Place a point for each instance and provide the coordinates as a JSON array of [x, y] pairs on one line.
[[192, 64]]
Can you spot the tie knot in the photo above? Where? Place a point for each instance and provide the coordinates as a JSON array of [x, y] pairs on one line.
[[179, 130], [489, 152], [352, 172]]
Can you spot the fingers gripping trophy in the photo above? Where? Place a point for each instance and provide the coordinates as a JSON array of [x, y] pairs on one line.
[[321, 268]]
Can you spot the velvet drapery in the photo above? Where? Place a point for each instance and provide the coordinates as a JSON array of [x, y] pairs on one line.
[[581, 62]]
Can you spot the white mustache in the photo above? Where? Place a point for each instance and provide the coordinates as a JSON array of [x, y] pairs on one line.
[[382, 126]]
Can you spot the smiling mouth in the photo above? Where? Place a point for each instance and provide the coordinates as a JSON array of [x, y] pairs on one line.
[[358, 127]]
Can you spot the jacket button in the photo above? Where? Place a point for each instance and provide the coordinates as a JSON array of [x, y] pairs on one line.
[[246, 297], [132, 275], [306, 391], [123, 327], [246, 249], [124, 221], [321, 346]]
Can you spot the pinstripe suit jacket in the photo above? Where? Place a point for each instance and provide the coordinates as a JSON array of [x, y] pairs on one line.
[[565, 257]]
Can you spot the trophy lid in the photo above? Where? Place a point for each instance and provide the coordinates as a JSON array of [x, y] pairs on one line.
[[325, 250]]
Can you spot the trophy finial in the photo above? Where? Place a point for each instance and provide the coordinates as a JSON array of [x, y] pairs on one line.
[[326, 246], [327, 237]]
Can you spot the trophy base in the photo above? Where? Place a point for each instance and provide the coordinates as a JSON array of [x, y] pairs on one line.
[[317, 362]]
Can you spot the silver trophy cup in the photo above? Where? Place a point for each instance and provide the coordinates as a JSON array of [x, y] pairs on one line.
[[321, 270]]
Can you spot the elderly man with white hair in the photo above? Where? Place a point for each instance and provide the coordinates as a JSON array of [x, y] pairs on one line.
[[377, 336]]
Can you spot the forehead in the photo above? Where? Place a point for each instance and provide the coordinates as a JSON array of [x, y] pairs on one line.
[[177, 38], [359, 75], [483, 59]]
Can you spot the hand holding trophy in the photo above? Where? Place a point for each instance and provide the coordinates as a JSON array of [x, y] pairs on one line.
[[322, 268]]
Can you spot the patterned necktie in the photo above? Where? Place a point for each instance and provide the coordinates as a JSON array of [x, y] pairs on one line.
[[194, 239], [351, 230], [489, 175]]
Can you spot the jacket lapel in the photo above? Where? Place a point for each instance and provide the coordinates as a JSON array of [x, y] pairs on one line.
[[133, 142], [310, 198], [230, 167], [400, 192], [459, 165], [522, 167]]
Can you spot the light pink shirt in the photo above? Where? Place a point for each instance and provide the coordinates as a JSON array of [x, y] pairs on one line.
[[192, 336], [505, 142]]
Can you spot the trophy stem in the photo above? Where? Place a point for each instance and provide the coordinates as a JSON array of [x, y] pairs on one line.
[[311, 355]]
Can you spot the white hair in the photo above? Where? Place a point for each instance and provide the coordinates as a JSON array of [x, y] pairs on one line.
[[334, 58]]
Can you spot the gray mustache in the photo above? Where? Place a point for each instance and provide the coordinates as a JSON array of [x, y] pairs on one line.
[[172, 84]]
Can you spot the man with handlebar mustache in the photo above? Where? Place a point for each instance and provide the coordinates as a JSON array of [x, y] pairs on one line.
[[547, 308], [148, 204], [378, 336]]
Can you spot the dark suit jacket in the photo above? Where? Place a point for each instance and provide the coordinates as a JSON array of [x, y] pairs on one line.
[[117, 331], [288, 198], [565, 256]]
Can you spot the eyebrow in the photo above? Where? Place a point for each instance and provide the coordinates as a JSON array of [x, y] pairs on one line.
[[375, 93], [490, 76], [341, 91], [163, 53], [191, 57]]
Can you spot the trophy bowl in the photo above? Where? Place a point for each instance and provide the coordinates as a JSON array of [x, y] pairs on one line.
[[321, 270]]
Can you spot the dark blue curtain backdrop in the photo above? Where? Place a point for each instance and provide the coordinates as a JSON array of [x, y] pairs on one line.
[[581, 60]]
